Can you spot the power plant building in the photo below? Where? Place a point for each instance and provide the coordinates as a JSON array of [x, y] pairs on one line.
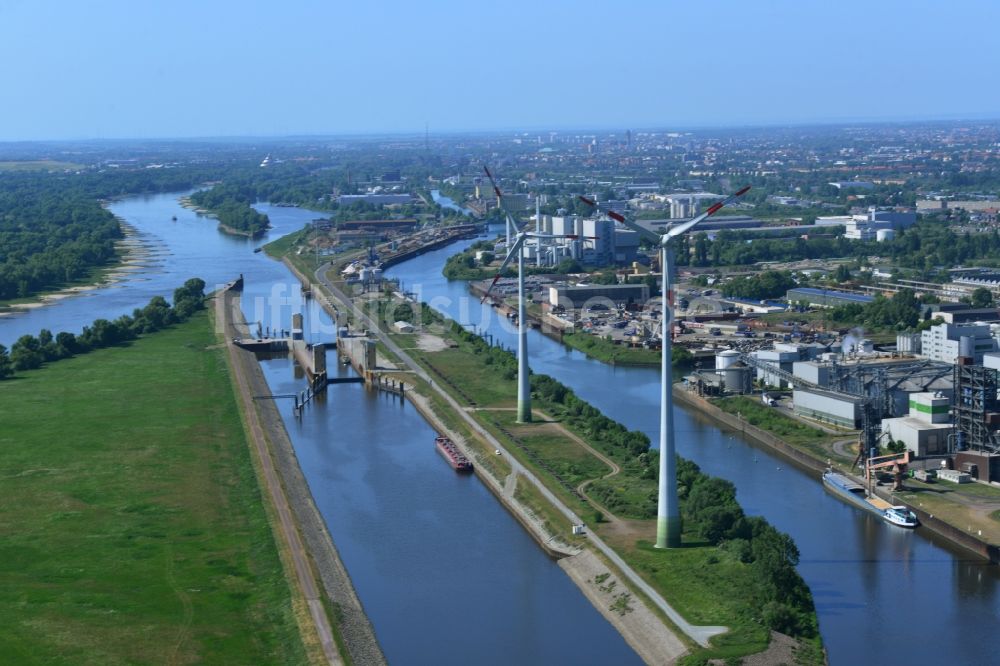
[[926, 429], [947, 342]]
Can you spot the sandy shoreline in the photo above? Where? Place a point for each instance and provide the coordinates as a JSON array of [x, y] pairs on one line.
[[134, 254]]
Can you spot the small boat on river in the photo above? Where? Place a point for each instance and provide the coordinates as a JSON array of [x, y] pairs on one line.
[[854, 493], [901, 516]]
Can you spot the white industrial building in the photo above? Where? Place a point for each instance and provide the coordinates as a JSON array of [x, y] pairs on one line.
[[926, 428], [835, 408], [785, 356], [946, 342], [992, 360], [879, 225], [601, 242]]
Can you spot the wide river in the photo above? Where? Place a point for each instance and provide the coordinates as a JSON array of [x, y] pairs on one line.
[[447, 576], [445, 573]]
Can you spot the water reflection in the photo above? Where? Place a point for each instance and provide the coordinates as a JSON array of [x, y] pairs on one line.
[[883, 594]]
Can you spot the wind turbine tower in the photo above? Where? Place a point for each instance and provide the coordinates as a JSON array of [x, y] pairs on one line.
[[517, 249], [668, 517]]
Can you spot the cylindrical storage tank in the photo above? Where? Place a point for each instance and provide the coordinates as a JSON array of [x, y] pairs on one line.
[[883, 235], [967, 346], [365, 274], [725, 359], [732, 377], [377, 274]]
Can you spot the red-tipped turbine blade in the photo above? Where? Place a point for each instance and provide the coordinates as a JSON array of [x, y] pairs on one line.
[[490, 288], [616, 216], [687, 226], [587, 201]]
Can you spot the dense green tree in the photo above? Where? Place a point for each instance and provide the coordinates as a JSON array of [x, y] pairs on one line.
[[769, 284], [26, 354], [982, 298], [569, 265], [6, 368]]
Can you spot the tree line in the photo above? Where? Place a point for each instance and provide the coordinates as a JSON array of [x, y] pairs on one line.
[[30, 352], [54, 229], [50, 238], [231, 204], [708, 504]]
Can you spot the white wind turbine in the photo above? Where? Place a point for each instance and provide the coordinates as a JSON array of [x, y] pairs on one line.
[[515, 248], [668, 517]]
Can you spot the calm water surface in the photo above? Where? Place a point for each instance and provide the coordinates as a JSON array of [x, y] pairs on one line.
[[446, 575], [884, 594]]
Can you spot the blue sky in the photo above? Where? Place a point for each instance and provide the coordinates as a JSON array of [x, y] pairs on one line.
[[180, 68]]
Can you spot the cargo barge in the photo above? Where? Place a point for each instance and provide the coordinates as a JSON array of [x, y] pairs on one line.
[[455, 458], [854, 493]]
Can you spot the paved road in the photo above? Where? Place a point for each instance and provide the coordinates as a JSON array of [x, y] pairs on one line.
[[700, 634], [289, 532]]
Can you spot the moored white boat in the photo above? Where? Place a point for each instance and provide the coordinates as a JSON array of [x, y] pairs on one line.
[[901, 516]]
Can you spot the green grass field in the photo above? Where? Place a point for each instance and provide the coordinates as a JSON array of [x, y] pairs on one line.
[[608, 352], [38, 165], [133, 530]]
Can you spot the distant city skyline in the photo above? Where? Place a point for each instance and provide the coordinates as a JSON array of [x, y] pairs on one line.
[[114, 69]]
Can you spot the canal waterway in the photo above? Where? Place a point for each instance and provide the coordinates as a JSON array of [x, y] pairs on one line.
[[883, 594], [445, 573]]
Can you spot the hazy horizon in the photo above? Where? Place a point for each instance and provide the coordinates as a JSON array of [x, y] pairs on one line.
[[114, 70]]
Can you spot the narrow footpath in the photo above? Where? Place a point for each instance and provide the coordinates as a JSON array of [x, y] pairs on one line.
[[700, 634], [290, 496]]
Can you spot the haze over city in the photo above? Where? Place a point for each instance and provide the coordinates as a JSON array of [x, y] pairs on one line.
[[499, 333], [118, 69]]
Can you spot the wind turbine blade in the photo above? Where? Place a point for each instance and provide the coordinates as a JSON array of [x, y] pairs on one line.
[[713, 209], [501, 200], [643, 231], [515, 248]]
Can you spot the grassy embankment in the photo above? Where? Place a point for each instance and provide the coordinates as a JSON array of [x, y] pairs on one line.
[[699, 579], [607, 351], [562, 463], [134, 529], [807, 438]]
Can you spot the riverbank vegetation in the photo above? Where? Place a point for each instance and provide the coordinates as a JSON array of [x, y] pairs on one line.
[[139, 535], [608, 351], [30, 352], [734, 570], [54, 229], [231, 205], [49, 239]]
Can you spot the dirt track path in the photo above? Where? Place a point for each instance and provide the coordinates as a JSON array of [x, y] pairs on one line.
[[317, 568]]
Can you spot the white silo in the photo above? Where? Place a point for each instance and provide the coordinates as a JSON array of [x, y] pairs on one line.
[[883, 235], [725, 359], [729, 369]]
